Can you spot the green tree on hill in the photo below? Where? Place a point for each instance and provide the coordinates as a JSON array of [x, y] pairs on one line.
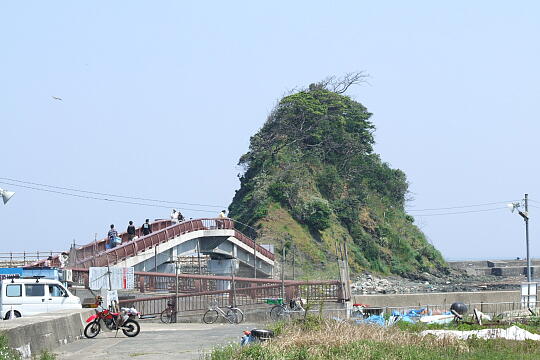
[[311, 175]]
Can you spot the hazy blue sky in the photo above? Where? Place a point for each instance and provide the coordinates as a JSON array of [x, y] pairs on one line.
[[160, 99]]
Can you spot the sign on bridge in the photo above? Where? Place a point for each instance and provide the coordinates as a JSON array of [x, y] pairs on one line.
[[113, 278]]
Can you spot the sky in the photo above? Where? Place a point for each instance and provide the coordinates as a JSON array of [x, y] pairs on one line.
[[159, 100]]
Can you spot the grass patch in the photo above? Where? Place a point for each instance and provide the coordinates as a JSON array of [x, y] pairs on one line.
[[46, 355], [315, 339], [6, 352]]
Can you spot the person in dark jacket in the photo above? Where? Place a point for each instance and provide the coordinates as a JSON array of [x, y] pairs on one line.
[[131, 231], [146, 227], [112, 234]]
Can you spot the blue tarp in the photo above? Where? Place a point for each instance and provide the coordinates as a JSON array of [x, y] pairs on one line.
[[373, 319]]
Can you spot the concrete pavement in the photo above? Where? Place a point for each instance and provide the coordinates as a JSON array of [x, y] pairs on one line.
[[155, 341]]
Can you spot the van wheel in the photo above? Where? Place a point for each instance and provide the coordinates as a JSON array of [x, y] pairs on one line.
[[15, 314]]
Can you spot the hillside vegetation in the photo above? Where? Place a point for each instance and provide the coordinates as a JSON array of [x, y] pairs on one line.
[[312, 179]]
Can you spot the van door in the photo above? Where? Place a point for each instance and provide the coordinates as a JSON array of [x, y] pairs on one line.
[[12, 299], [34, 299], [58, 298]]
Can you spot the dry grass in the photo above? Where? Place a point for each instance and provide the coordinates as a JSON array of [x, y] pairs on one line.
[[316, 339], [327, 333]]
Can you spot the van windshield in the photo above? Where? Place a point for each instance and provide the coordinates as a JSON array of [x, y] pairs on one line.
[[35, 289]]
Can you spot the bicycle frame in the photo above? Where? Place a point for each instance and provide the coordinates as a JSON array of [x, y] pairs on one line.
[[220, 311]]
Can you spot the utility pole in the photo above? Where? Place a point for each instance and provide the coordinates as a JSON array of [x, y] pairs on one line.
[[282, 270], [293, 250], [254, 258], [526, 218], [233, 284], [176, 292], [199, 255]]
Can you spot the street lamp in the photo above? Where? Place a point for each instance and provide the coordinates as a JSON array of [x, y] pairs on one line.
[[6, 195], [525, 215]]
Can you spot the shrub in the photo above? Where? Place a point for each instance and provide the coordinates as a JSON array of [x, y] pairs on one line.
[[316, 214]]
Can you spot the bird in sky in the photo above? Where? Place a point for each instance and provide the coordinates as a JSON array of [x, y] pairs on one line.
[[57, 98]]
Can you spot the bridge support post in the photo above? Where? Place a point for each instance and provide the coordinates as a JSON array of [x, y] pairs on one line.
[[141, 284]]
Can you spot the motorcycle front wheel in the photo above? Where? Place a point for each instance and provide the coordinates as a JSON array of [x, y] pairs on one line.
[[131, 328], [91, 330]]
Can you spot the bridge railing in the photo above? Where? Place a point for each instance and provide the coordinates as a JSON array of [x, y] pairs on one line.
[[14, 259], [95, 254]]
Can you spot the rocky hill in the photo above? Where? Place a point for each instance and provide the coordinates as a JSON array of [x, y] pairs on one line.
[[312, 179]]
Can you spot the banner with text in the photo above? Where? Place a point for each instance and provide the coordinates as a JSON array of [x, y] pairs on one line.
[[113, 278]]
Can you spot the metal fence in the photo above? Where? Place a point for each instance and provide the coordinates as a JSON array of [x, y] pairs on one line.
[[14, 259], [197, 291], [240, 296]]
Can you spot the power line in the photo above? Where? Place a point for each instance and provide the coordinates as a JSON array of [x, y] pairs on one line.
[[461, 212], [102, 199], [113, 195], [462, 206]]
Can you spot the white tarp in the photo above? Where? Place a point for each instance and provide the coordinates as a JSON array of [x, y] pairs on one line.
[[512, 333], [120, 278]]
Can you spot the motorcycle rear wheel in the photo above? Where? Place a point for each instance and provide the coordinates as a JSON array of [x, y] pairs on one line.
[[91, 330], [131, 328]]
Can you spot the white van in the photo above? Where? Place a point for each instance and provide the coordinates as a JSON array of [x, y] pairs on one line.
[[27, 297]]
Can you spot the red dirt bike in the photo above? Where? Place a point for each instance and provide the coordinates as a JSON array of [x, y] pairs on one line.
[[124, 320]]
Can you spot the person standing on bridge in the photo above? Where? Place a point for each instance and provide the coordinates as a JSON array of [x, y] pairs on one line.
[[131, 231], [174, 216], [112, 235], [221, 222], [146, 227]]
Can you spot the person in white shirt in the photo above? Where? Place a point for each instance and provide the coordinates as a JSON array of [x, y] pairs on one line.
[[221, 223], [174, 216]]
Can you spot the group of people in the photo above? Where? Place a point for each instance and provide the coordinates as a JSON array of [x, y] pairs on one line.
[[177, 217], [146, 228], [115, 240]]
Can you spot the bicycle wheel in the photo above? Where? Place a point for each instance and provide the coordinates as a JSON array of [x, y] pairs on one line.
[[131, 328], [278, 312], [235, 315], [92, 329], [167, 316], [210, 316]]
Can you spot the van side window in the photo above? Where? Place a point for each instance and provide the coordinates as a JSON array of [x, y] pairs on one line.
[[56, 290], [35, 289], [14, 290]]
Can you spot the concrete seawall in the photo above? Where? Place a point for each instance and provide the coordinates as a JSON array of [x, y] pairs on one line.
[[31, 335], [397, 300]]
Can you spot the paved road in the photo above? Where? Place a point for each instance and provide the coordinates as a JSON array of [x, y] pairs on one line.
[[155, 341]]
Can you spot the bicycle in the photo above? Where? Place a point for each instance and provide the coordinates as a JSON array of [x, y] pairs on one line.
[[169, 314], [233, 315], [282, 311]]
